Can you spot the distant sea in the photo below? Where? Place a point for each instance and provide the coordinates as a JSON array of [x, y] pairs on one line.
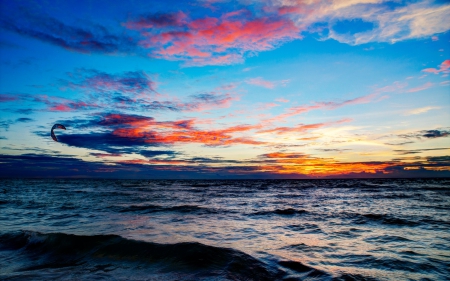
[[361, 229]]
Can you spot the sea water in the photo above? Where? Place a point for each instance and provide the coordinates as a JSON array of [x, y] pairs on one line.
[[360, 229]]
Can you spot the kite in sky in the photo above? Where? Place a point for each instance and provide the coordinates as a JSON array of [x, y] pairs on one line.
[[56, 126]]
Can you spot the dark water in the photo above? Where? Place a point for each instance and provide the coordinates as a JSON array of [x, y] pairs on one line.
[[225, 230]]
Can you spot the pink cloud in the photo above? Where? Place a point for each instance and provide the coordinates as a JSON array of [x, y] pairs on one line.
[[323, 105], [420, 88], [208, 41], [303, 128], [443, 67], [258, 81], [434, 38], [292, 10], [207, 101], [266, 106], [133, 82], [8, 97], [281, 100], [330, 105], [70, 106], [61, 104]]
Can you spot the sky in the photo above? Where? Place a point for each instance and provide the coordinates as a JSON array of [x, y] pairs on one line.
[[218, 89]]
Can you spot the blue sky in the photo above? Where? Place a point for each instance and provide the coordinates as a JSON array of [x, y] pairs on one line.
[[225, 89]]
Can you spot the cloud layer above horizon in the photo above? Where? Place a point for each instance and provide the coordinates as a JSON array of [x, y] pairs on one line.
[[275, 88]]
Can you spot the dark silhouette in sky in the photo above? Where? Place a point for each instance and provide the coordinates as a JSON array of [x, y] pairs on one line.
[[56, 126]]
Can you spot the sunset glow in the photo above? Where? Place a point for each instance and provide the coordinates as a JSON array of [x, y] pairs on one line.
[[225, 89]]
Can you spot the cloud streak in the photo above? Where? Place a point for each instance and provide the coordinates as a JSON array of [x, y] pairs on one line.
[[421, 110], [94, 38], [302, 128], [420, 88]]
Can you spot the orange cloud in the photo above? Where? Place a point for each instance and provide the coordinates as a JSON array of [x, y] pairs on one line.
[[295, 163], [172, 132]]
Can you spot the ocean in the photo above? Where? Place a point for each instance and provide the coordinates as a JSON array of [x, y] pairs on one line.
[[357, 229]]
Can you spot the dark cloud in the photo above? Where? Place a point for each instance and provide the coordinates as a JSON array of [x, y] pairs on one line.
[[125, 133], [194, 103], [48, 166], [4, 124], [53, 103], [396, 172], [400, 143], [157, 105], [102, 155], [429, 134], [24, 119], [8, 97], [25, 111], [85, 39], [415, 151], [5, 44], [107, 120], [35, 150], [130, 82], [154, 153], [110, 120], [206, 97], [440, 159], [107, 136], [107, 142], [156, 20]]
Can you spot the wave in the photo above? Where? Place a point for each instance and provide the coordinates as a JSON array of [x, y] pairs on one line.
[[306, 272], [56, 255], [391, 220], [59, 250], [309, 228], [378, 218], [288, 211], [388, 263], [384, 239], [177, 209]]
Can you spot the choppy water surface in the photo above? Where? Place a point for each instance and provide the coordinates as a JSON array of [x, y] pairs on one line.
[[225, 230]]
